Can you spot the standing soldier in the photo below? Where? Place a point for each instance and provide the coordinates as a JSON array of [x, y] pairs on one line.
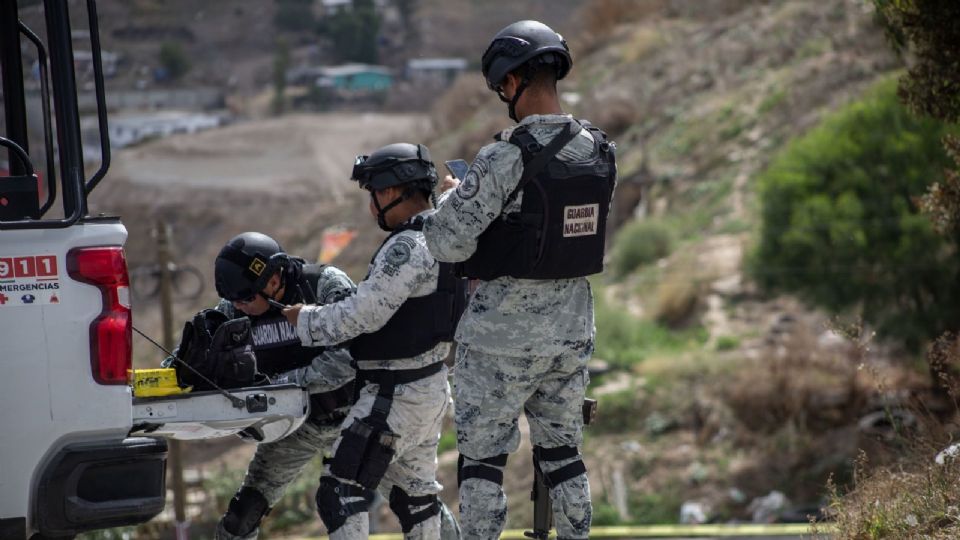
[[528, 221], [250, 269], [400, 322]]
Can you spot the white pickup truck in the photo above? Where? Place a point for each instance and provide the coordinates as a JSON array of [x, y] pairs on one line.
[[77, 451]]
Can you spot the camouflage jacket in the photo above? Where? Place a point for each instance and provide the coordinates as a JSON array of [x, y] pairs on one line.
[[403, 268], [515, 317]]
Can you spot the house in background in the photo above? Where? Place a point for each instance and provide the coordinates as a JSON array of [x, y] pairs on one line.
[[332, 7], [355, 78], [434, 72]]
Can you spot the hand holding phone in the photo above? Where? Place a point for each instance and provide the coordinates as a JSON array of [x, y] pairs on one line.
[[458, 168]]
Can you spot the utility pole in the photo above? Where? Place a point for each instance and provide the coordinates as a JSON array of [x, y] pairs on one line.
[[181, 526]]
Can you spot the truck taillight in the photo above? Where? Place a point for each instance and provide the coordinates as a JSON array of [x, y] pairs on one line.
[[111, 332]]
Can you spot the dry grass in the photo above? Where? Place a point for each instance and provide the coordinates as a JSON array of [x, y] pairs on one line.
[[601, 17], [460, 103], [617, 116], [920, 500], [678, 301], [793, 380], [915, 497]]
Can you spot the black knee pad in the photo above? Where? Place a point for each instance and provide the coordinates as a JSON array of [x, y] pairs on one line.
[[246, 510], [333, 511], [483, 470], [559, 453], [403, 504]]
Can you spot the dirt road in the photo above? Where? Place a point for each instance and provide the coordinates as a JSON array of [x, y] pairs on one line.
[[287, 153]]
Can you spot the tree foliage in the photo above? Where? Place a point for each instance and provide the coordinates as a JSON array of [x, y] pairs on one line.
[[294, 15], [930, 31], [353, 32], [174, 60], [281, 62], [841, 226]]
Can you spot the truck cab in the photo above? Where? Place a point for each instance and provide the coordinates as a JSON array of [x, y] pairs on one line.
[[78, 452]]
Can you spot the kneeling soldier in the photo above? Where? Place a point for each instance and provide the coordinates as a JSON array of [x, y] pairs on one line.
[[250, 269]]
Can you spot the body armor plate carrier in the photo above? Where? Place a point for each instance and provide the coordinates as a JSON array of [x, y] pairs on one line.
[[275, 340], [560, 230], [420, 323]]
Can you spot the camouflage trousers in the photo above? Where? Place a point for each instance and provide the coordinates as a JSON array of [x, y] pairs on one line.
[[416, 414], [276, 464], [490, 393]]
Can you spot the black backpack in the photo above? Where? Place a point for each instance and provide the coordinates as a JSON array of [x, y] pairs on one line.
[[220, 349]]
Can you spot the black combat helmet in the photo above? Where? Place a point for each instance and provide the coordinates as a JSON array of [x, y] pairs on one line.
[[395, 165], [245, 264], [520, 43]]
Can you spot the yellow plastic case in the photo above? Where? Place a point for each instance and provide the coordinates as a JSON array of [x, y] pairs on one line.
[[154, 382]]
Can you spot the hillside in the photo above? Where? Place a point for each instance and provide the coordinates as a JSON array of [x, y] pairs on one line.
[[710, 392], [718, 394]]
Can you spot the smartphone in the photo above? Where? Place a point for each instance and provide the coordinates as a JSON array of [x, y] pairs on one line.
[[458, 168]]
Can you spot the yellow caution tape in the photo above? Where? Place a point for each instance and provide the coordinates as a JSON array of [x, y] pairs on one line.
[[673, 531]]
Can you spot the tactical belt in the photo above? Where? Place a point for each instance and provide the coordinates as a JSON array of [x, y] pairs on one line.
[[325, 405], [387, 380]]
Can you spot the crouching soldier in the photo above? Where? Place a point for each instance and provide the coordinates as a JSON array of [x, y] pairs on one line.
[[400, 321], [250, 269]]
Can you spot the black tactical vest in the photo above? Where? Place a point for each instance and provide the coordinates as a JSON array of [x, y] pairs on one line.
[[420, 323], [275, 340], [560, 230]]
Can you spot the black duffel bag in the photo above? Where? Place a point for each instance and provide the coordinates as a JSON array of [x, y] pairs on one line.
[[218, 348]]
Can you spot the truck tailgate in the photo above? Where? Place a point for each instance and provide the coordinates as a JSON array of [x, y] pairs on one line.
[[268, 413]]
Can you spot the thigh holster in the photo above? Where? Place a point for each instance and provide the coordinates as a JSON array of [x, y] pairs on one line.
[[559, 453], [368, 445], [331, 506], [485, 469], [403, 504], [365, 451]]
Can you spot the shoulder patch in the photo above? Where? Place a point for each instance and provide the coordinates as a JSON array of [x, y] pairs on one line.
[[397, 254], [470, 186]]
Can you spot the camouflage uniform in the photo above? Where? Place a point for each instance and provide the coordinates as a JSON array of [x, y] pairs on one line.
[[278, 463], [402, 269], [522, 344]]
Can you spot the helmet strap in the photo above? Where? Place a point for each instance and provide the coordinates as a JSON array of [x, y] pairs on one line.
[[282, 286], [382, 212], [512, 103]]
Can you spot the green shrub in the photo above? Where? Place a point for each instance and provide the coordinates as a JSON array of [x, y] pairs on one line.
[[353, 33], [727, 343], [174, 60], [294, 16], [840, 226], [623, 411], [639, 243], [624, 340], [604, 514], [656, 508], [448, 440]]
